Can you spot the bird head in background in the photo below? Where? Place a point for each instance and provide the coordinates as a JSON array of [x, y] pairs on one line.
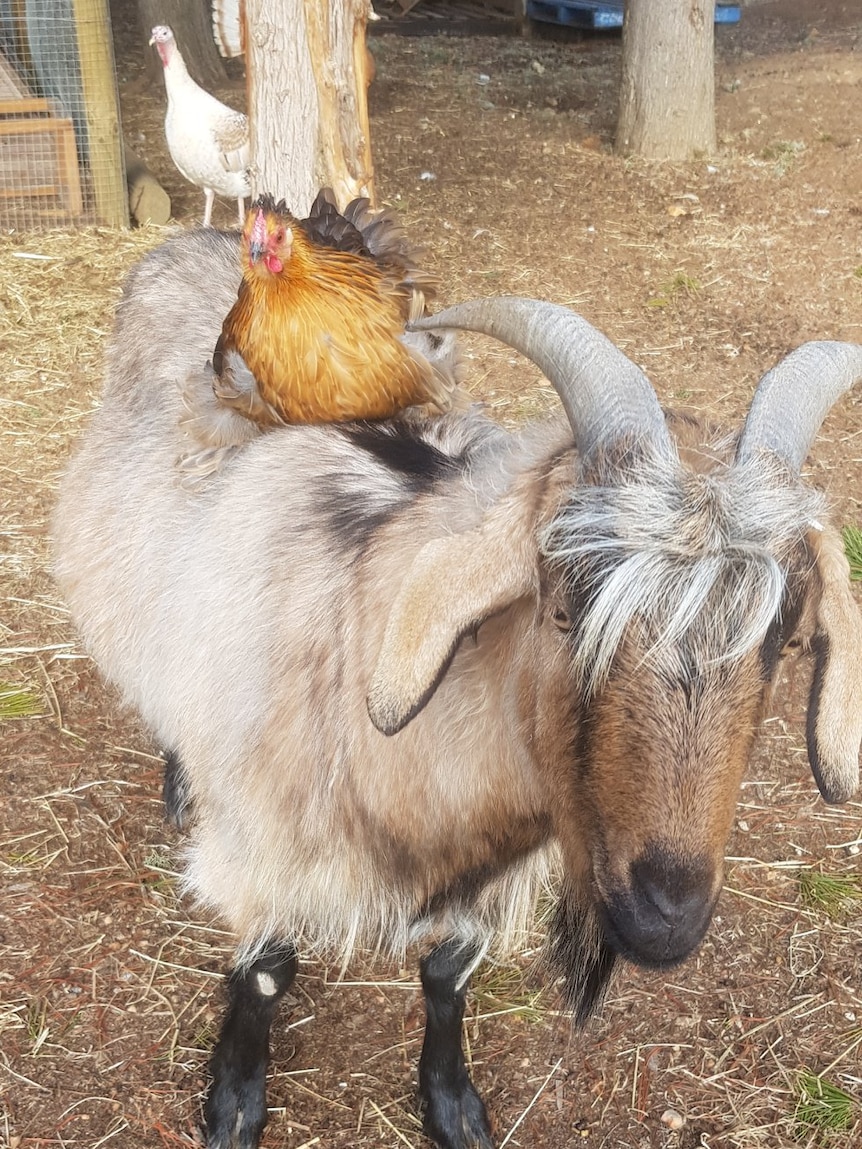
[[163, 38], [268, 237]]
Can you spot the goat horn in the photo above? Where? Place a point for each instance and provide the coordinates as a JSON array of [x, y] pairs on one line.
[[605, 395], [793, 399]]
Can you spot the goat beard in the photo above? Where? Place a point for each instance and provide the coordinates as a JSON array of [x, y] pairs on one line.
[[580, 955]]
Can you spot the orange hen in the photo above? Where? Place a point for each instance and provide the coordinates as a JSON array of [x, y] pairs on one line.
[[319, 315]]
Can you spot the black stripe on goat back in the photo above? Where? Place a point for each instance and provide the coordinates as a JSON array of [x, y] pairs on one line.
[[398, 447], [349, 514]]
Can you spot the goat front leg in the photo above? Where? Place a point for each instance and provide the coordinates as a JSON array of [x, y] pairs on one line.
[[235, 1108], [175, 791], [454, 1115]]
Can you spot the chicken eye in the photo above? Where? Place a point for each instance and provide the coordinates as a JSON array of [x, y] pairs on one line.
[[278, 235]]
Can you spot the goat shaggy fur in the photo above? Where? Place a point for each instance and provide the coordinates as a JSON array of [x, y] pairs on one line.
[[410, 674]]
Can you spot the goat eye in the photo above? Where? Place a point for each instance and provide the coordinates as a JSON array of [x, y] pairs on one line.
[[562, 618]]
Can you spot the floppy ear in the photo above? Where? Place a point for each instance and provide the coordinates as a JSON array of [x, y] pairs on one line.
[[454, 584], [835, 702]]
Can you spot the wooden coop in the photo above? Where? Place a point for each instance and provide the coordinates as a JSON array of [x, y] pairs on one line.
[[61, 158]]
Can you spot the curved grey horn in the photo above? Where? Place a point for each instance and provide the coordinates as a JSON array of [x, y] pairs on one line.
[[605, 395], [793, 399]]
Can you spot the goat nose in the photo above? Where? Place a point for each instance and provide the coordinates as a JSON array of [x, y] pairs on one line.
[[672, 902], [663, 914]]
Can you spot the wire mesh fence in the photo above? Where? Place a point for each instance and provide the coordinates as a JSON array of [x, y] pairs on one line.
[[60, 140]]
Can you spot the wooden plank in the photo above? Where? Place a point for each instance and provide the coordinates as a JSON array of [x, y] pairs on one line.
[[23, 107], [70, 174], [47, 167], [33, 127], [31, 192], [107, 170], [452, 16]]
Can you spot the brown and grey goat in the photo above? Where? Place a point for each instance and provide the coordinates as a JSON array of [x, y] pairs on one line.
[[408, 673]]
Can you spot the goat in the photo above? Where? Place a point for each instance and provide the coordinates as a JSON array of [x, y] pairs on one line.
[[408, 673]]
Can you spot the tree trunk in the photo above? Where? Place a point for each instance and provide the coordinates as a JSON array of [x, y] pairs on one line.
[[667, 94], [191, 24], [307, 73]]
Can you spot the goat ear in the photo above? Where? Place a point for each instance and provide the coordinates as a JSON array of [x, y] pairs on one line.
[[454, 584], [835, 703]]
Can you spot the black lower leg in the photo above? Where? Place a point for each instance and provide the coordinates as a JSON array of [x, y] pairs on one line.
[[453, 1113], [235, 1108], [175, 791]]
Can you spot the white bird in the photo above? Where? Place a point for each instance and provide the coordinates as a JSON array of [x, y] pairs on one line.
[[208, 141]]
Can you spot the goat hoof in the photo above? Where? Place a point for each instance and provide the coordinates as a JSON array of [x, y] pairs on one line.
[[457, 1120], [235, 1113]]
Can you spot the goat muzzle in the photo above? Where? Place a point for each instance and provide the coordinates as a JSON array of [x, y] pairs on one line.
[[661, 916]]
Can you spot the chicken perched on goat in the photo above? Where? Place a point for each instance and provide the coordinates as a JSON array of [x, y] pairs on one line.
[[208, 141], [320, 315]]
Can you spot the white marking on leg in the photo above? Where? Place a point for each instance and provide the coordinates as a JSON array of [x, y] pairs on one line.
[[266, 984]]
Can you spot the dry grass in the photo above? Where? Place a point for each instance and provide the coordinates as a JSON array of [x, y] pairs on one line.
[[58, 294], [110, 985]]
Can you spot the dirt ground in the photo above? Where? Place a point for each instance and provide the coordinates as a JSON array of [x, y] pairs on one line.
[[498, 152]]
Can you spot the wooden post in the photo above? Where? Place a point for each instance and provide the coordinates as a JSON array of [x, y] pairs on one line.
[[306, 70], [667, 89], [103, 120], [339, 59]]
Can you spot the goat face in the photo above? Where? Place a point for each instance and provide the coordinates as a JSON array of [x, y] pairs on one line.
[[660, 753], [682, 588], [665, 599]]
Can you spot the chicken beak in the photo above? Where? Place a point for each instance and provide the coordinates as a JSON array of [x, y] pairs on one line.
[[257, 239]]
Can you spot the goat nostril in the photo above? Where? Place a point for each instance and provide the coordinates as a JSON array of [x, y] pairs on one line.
[[671, 886], [675, 899], [667, 904]]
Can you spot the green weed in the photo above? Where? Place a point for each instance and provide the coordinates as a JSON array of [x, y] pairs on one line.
[[853, 549], [18, 702], [821, 1106], [680, 285], [831, 894], [784, 152]]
